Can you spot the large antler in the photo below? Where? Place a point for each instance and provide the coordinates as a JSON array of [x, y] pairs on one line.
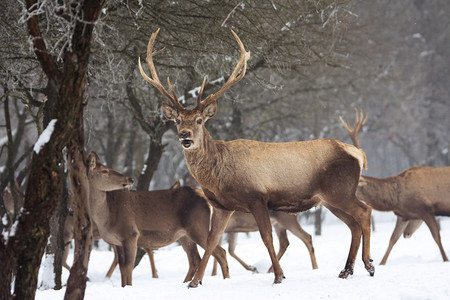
[[154, 80], [360, 121], [234, 77], [238, 74]]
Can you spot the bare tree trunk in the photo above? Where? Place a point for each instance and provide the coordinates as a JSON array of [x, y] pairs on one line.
[[76, 284], [65, 106]]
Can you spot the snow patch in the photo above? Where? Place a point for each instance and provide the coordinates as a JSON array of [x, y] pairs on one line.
[[45, 136]]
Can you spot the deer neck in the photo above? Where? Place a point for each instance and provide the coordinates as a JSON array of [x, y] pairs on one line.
[[98, 205], [203, 161], [380, 193]]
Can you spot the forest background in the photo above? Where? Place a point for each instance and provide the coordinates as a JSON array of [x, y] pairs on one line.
[[311, 61]]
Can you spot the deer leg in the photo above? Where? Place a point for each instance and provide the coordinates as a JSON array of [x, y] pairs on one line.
[[214, 270], [65, 255], [220, 218], [430, 220], [127, 256], [356, 228], [232, 237], [283, 240], [261, 214], [400, 226], [152, 263], [122, 260], [192, 254], [114, 263], [412, 227], [291, 223]]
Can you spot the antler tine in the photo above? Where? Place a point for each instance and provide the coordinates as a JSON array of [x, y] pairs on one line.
[[154, 80], [346, 124], [360, 121], [234, 77], [199, 96]]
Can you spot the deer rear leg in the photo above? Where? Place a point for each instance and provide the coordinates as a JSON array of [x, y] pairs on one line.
[[412, 227], [356, 231], [219, 221], [152, 263], [261, 214], [400, 226], [192, 254], [114, 263], [232, 238], [65, 255], [430, 220], [291, 223]]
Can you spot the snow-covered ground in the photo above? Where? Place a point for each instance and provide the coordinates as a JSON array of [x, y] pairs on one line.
[[414, 270]]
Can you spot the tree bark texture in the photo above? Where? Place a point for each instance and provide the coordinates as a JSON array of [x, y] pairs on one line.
[[26, 247]]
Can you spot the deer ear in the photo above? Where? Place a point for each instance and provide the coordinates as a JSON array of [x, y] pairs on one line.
[[169, 112], [210, 110], [92, 160]]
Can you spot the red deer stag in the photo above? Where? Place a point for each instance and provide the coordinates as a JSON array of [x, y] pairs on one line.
[[148, 219], [253, 177], [415, 195], [244, 222]]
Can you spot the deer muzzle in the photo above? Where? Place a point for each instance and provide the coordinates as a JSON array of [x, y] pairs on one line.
[[183, 136]]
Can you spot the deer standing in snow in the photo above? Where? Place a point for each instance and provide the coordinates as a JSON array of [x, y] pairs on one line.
[[255, 177]]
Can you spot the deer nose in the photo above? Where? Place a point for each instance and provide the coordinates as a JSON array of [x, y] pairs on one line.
[[131, 180], [184, 135]]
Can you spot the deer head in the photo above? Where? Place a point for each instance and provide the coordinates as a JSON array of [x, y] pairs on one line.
[[103, 178], [190, 122]]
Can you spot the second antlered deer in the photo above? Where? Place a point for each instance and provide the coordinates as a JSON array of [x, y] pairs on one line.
[[253, 177], [415, 195], [148, 219]]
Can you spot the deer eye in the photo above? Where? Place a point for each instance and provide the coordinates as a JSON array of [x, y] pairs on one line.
[[178, 121], [199, 121], [104, 171]]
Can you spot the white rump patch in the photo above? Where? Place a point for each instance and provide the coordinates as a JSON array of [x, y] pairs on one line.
[[357, 153]]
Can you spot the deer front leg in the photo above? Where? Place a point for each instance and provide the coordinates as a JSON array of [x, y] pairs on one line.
[[400, 226], [220, 218], [127, 256], [261, 214]]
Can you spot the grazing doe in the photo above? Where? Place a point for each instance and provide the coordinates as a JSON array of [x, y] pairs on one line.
[[255, 177]]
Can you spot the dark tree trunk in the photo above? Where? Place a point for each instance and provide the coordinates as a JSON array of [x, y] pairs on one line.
[[44, 186], [76, 284]]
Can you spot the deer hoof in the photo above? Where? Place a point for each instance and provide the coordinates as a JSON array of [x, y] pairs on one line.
[[370, 268], [279, 279], [345, 273], [254, 270], [193, 284]]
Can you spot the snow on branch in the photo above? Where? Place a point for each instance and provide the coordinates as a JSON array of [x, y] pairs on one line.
[[45, 136]]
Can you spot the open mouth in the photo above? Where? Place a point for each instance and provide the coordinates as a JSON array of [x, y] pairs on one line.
[[128, 186], [186, 143]]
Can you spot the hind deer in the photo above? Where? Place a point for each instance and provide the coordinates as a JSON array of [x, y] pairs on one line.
[[281, 221], [416, 195], [148, 219], [253, 177]]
